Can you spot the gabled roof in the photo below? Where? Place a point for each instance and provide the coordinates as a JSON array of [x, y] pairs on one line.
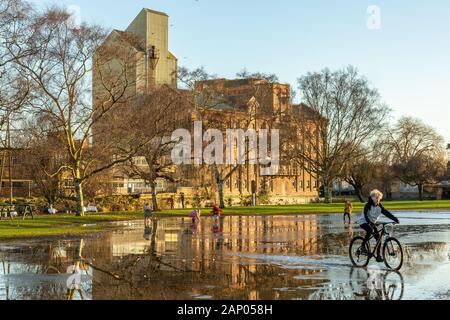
[[172, 56]]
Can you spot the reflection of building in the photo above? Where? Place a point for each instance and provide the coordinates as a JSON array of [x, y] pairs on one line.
[[224, 258]]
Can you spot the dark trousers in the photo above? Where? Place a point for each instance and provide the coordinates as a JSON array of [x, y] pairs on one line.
[[371, 230], [347, 215]]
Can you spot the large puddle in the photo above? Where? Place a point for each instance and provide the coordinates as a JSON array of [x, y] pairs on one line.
[[279, 257]]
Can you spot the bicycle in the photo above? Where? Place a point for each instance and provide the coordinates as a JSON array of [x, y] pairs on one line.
[[392, 250]]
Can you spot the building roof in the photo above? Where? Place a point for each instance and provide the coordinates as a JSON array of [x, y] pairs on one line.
[[304, 111], [130, 38], [156, 12]]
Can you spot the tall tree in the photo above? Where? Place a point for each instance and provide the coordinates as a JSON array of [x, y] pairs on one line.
[[14, 87], [44, 155], [417, 153], [345, 111], [169, 109], [360, 171], [61, 65]]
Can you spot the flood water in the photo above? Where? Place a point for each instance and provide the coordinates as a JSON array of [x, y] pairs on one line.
[[269, 258]]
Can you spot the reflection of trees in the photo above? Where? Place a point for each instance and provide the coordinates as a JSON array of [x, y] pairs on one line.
[[175, 264], [198, 261], [39, 271]]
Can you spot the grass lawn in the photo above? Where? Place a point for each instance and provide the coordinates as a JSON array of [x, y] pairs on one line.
[[64, 225], [318, 208]]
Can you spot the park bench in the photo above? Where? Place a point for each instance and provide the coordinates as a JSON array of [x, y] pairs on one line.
[[19, 210]]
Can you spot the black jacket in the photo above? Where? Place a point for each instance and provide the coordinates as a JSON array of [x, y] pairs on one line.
[[385, 212]]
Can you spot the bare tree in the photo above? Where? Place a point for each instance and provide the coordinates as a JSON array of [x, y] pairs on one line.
[[245, 74], [154, 118], [344, 112], [417, 153], [360, 171], [14, 87], [61, 67], [44, 155]]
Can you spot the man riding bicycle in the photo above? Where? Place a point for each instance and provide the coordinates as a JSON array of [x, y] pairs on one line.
[[371, 216]]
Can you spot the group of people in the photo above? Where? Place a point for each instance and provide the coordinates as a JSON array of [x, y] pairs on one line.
[[195, 215]]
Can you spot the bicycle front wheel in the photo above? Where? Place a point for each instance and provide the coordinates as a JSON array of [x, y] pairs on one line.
[[359, 254], [393, 254]]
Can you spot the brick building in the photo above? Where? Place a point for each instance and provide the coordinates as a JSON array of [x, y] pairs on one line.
[[239, 103]]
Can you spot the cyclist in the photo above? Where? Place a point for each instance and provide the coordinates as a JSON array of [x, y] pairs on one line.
[[371, 216]]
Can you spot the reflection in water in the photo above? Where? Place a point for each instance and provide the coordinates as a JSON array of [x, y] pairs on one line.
[[266, 257], [363, 284]]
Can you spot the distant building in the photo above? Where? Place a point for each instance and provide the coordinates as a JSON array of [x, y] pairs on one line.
[[153, 63], [258, 104], [20, 185], [232, 101]]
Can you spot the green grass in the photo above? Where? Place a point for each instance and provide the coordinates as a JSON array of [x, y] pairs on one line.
[[322, 208], [60, 225], [64, 225]]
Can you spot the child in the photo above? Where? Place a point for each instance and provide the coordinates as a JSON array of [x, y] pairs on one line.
[[348, 211], [370, 217], [147, 214], [216, 212], [195, 215]]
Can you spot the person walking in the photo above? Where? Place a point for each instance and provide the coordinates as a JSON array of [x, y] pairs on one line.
[[148, 214], [182, 195], [348, 211]]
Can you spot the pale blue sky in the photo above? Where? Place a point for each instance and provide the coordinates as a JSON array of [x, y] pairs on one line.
[[408, 59]]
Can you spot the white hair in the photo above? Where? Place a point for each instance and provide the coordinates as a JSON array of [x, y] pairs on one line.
[[376, 193]]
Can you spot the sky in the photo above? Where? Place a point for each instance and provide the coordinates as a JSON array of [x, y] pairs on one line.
[[402, 47]]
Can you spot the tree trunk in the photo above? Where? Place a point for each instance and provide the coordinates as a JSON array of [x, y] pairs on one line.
[[80, 197], [420, 192], [154, 200], [220, 190], [219, 181], [328, 190], [358, 191]]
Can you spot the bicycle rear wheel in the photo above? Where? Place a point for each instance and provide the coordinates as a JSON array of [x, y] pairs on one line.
[[359, 255], [393, 254]]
